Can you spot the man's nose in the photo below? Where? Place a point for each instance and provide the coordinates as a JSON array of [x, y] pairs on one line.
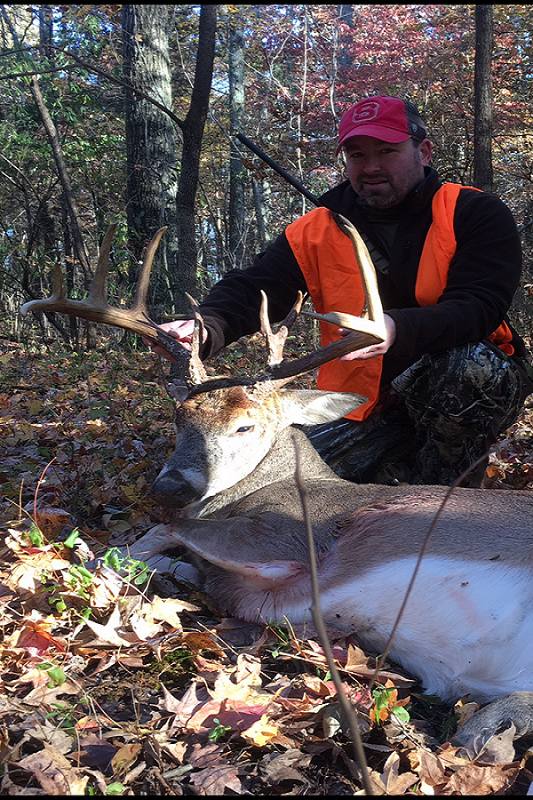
[[371, 165]]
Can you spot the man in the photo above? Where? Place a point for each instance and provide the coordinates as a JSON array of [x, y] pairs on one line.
[[451, 373]]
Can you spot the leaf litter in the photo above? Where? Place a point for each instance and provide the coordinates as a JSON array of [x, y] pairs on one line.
[[118, 681]]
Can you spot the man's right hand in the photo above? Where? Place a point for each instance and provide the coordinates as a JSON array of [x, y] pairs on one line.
[[180, 329]]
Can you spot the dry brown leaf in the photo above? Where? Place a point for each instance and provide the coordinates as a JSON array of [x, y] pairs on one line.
[[474, 779], [213, 781], [125, 758], [260, 732], [277, 767], [464, 709], [106, 587], [356, 657], [108, 634], [319, 687], [430, 767], [198, 640], [36, 639], [54, 772], [248, 670], [453, 757], [46, 731], [226, 688], [394, 781], [145, 628], [205, 755], [194, 697], [27, 574], [48, 695], [176, 750], [496, 749], [239, 715], [94, 752], [167, 610], [51, 521]]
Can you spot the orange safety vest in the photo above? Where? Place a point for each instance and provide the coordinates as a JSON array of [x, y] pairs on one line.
[[326, 257]]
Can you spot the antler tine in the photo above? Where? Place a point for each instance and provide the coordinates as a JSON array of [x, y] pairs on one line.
[[276, 341], [368, 274], [365, 332], [96, 309], [140, 300], [97, 292], [196, 367]]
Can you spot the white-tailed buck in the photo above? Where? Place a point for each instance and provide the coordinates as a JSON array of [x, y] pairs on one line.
[[468, 625]]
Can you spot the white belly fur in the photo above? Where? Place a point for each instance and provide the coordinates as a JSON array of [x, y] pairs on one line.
[[467, 628]]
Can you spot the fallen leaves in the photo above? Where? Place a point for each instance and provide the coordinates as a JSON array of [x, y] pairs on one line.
[[111, 687], [54, 772], [447, 772]]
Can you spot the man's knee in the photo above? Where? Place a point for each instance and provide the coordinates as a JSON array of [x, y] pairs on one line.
[[467, 385]]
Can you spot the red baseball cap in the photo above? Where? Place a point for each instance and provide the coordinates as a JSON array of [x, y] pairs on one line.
[[386, 118]]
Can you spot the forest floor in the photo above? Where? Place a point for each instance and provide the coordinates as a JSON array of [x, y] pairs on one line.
[[114, 685]]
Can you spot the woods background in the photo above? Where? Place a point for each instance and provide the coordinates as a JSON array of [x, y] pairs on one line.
[[130, 114]]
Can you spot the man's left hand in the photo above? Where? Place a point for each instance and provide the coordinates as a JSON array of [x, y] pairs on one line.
[[374, 349]]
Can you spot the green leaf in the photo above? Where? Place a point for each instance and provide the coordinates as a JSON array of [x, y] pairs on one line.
[[57, 677], [401, 713], [72, 538], [115, 788]]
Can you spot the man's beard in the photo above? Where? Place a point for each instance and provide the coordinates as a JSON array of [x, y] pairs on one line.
[[379, 200]]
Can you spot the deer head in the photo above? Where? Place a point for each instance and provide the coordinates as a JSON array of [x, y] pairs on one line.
[[226, 427]]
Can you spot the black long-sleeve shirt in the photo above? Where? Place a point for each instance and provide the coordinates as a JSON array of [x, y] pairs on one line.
[[482, 279]]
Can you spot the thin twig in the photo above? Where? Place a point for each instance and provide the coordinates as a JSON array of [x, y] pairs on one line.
[[347, 707], [104, 74], [37, 491]]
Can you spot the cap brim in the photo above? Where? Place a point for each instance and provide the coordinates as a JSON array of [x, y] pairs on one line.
[[385, 134]]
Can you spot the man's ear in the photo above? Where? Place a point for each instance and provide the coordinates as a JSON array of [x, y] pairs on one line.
[[425, 149]]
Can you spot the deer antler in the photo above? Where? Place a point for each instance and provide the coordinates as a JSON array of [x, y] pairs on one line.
[[276, 341], [96, 309], [198, 373], [366, 330]]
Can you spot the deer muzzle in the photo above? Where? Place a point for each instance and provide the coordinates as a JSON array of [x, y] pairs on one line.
[[175, 488]]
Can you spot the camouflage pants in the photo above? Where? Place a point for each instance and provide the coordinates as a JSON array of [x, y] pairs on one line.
[[439, 417]]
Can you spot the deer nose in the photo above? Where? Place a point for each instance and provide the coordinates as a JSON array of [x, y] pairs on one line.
[[177, 488]]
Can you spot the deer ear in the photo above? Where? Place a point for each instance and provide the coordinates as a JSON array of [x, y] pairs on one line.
[[178, 390], [312, 407]]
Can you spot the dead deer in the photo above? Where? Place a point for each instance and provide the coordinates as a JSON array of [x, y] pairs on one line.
[[230, 486]]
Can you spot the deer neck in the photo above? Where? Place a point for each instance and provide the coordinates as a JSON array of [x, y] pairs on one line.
[[279, 464]]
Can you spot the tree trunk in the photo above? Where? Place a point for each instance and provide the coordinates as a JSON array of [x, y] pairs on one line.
[[151, 144], [193, 128], [236, 225], [46, 31], [483, 98], [344, 58]]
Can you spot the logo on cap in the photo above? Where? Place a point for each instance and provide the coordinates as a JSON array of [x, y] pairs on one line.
[[365, 112]]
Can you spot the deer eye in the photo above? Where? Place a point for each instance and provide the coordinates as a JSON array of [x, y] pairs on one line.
[[245, 428]]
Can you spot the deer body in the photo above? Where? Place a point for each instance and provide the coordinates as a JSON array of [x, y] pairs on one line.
[[468, 623]]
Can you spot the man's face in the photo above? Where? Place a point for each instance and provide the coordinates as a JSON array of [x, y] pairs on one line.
[[382, 173]]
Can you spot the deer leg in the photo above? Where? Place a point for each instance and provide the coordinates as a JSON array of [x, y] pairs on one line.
[[151, 548], [514, 710]]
